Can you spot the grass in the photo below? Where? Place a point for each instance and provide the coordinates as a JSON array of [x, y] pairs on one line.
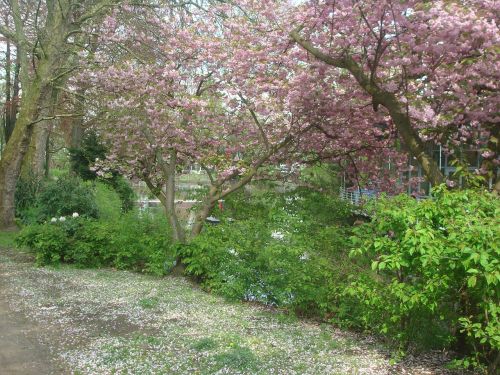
[[148, 303], [101, 321], [205, 344], [237, 358], [7, 239]]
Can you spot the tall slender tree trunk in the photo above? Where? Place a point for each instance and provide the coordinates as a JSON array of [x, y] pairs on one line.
[[77, 128], [14, 103], [11, 93], [35, 158], [8, 89], [13, 154], [47, 158]]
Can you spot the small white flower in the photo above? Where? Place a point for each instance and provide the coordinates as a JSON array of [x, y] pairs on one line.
[[75, 214], [62, 218], [304, 256], [277, 235], [53, 220], [232, 251]]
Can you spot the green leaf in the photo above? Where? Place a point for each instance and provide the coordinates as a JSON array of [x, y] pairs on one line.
[[471, 281]]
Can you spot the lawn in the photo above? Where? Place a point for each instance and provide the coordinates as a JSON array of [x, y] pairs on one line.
[[117, 322]]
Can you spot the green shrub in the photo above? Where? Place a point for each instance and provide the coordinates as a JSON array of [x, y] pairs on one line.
[[436, 272], [281, 250], [48, 241], [27, 190], [128, 242], [82, 159], [142, 244], [108, 202], [66, 196], [91, 244], [124, 191], [41, 200]]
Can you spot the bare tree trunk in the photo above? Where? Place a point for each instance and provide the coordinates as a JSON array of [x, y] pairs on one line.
[[167, 196], [13, 154], [35, 158], [11, 93], [11, 110], [47, 157], [8, 89]]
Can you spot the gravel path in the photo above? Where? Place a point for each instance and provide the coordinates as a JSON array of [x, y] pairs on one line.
[[72, 321]]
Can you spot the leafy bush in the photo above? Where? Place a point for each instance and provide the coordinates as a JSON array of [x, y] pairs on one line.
[[41, 200], [108, 202], [281, 250], [124, 191], [65, 196], [128, 242], [82, 159], [27, 189], [49, 242], [436, 272]]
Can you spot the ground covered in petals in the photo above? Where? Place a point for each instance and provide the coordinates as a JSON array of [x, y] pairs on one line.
[[116, 322]]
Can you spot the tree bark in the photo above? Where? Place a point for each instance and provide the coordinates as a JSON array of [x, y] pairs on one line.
[[77, 126], [35, 158], [177, 230], [7, 121], [204, 212], [400, 118], [14, 152]]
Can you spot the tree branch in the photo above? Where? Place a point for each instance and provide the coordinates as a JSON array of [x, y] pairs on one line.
[[9, 34], [62, 115], [257, 122], [385, 98]]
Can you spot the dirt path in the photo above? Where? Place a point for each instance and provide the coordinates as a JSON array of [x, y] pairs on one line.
[[20, 351]]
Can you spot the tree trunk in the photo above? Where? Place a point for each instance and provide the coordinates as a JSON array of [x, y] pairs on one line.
[[8, 99], [13, 154], [34, 160], [204, 212], [177, 230], [77, 125], [167, 196], [47, 157]]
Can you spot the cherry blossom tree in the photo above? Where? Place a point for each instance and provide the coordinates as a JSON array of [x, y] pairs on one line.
[[193, 86], [357, 83], [431, 66], [169, 103]]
